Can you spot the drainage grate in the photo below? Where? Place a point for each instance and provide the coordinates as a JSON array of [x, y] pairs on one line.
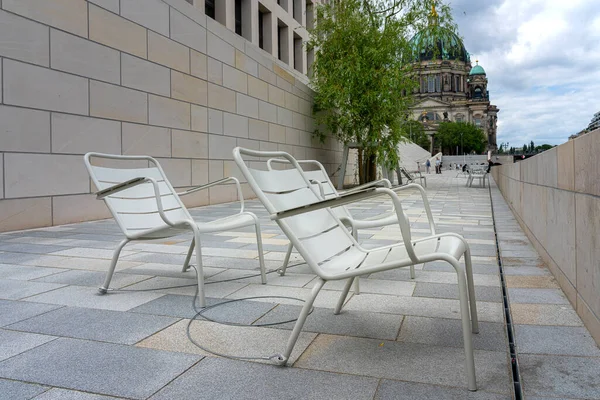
[[514, 361]]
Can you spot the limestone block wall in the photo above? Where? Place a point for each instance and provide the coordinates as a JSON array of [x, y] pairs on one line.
[[556, 199], [152, 77]]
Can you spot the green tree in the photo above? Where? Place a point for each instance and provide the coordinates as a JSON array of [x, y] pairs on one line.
[[363, 74], [544, 147], [524, 148], [414, 131], [449, 137], [531, 147]]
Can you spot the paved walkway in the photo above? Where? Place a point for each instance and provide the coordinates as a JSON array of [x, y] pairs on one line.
[[398, 339]]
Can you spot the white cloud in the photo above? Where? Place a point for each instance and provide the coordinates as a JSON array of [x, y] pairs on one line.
[[542, 59]]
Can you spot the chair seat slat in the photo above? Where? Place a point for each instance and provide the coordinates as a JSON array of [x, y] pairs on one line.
[[327, 245], [277, 181], [144, 205]]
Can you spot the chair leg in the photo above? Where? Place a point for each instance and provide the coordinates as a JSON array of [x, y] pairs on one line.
[[286, 260], [301, 319], [199, 271], [186, 263], [261, 255], [471, 290], [357, 279], [412, 272], [466, 326], [343, 296], [113, 264]]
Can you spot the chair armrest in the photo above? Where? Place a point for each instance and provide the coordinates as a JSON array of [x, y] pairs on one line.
[[425, 202], [379, 183], [343, 199], [100, 195], [348, 198], [219, 182]]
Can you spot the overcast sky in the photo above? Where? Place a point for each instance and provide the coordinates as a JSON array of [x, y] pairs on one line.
[[542, 59]]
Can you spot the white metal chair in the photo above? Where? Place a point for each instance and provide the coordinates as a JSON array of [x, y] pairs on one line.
[[318, 175], [413, 176], [477, 172], [307, 219], [146, 207]]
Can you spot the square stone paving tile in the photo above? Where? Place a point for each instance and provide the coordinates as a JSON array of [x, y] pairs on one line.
[[31, 248], [238, 263], [226, 339], [169, 270], [393, 390], [14, 390], [567, 340], [90, 253], [326, 298], [244, 276], [531, 282], [13, 343], [64, 394], [185, 286], [349, 323], [374, 285], [102, 368], [92, 278], [15, 311], [540, 271], [11, 289], [101, 325], [560, 376], [537, 296], [91, 264], [83, 296], [218, 378], [544, 314], [160, 258], [407, 361], [448, 332], [422, 306], [241, 312], [450, 291], [16, 258], [25, 273], [517, 262], [403, 274], [483, 269]]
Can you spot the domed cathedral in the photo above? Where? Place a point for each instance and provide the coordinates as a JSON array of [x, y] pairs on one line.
[[450, 89]]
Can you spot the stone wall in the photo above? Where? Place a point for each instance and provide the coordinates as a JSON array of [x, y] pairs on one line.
[[153, 77], [556, 199]]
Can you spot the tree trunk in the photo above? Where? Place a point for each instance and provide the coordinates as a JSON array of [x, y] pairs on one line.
[[371, 168], [361, 168]]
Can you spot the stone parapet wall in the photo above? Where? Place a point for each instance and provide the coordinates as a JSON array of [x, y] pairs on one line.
[[153, 77], [556, 199]]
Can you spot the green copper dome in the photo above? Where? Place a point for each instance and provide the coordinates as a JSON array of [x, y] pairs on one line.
[[477, 70], [437, 43]]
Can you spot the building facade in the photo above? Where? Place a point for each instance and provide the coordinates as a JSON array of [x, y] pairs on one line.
[[182, 82], [279, 27], [450, 88], [593, 125]]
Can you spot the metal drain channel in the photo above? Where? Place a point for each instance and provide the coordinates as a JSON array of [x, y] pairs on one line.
[[514, 361]]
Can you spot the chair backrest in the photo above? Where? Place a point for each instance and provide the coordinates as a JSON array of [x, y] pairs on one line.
[[318, 235], [317, 176], [135, 209]]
